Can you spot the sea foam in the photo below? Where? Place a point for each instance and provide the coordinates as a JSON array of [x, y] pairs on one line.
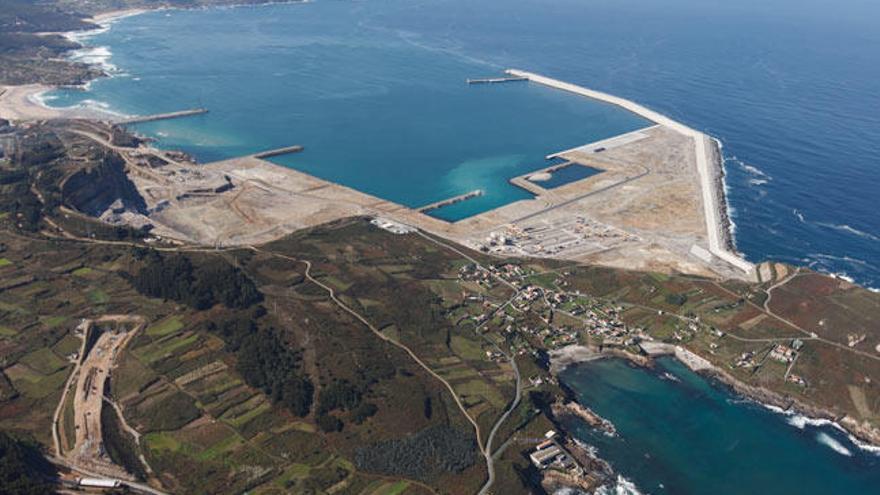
[[621, 486], [833, 444], [850, 230]]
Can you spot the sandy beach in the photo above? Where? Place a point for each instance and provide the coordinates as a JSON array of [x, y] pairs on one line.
[[107, 17], [21, 103], [18, 103]]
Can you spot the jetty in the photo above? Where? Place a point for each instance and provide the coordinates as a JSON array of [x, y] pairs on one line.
[[495, 80], [279, 151], [449, 201], [162, 116]]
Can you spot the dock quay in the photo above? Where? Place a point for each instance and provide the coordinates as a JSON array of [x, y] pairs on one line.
[[279, 151], [162, 116], [449, 201], [494, 80]]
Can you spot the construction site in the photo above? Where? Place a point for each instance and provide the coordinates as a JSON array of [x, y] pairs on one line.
[[652, 199], [85, 396]]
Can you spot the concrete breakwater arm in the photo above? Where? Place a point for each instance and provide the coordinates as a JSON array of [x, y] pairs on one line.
[[446, 202], [279, 151], [494, 80], [707, 162], [162, 116]]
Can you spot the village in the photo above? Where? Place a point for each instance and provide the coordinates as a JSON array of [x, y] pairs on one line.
[[544, 316]]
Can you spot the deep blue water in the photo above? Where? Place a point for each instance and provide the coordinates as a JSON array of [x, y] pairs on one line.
[[693, 437], [792, 88]]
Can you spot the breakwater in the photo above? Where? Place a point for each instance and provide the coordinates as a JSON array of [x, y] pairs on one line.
[[708, 164], [451, 201], [162, 116], [496, 80], [279, 151]]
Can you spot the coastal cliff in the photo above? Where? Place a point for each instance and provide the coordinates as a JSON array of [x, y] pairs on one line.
[[863, 431], [104, 186], [570, 407]]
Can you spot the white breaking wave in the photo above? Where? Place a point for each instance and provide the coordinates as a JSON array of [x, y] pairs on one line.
[[99, 107], [836, 446], [621, 486], [800, 421], [95, 55], [80, 36], [799, 215], [670, 377], [758, 182], [845, 259], [42, 99], [750, 169], [850, 230]]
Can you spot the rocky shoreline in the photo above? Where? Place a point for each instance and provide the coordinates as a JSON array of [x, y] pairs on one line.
[[570, 407], [727, 226], [864, 434]]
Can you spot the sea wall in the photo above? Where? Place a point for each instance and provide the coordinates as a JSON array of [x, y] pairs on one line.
[[727, 238], [708, 165]]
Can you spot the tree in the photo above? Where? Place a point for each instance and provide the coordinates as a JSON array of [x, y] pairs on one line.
[[23, 469], [329, 424]]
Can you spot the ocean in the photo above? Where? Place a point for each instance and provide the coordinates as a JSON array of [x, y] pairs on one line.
[[376, 110], [678, 433], [375, 91]]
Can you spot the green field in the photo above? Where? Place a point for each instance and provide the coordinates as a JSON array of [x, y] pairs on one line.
[[165, 327], [54, 321], [467, 348], [44, 361], [83, 272], [4, 262], [98, 296]]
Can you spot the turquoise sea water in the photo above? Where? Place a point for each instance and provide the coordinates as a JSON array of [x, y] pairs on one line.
[[375, 109], [789, 86], [680, 434]]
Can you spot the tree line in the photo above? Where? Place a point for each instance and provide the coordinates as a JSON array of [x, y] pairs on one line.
[[173, 276]]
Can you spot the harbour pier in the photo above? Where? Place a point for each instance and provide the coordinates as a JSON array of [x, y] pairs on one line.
[[449, 201], [162, 116], [279, 151], [496, 80]]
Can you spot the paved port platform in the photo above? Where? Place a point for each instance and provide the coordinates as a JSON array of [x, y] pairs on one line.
[[657, 203]]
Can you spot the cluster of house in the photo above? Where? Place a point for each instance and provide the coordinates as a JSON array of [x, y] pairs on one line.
[[855, 339], [475, 273], [745, 360], [600, 320], [786, 353]]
